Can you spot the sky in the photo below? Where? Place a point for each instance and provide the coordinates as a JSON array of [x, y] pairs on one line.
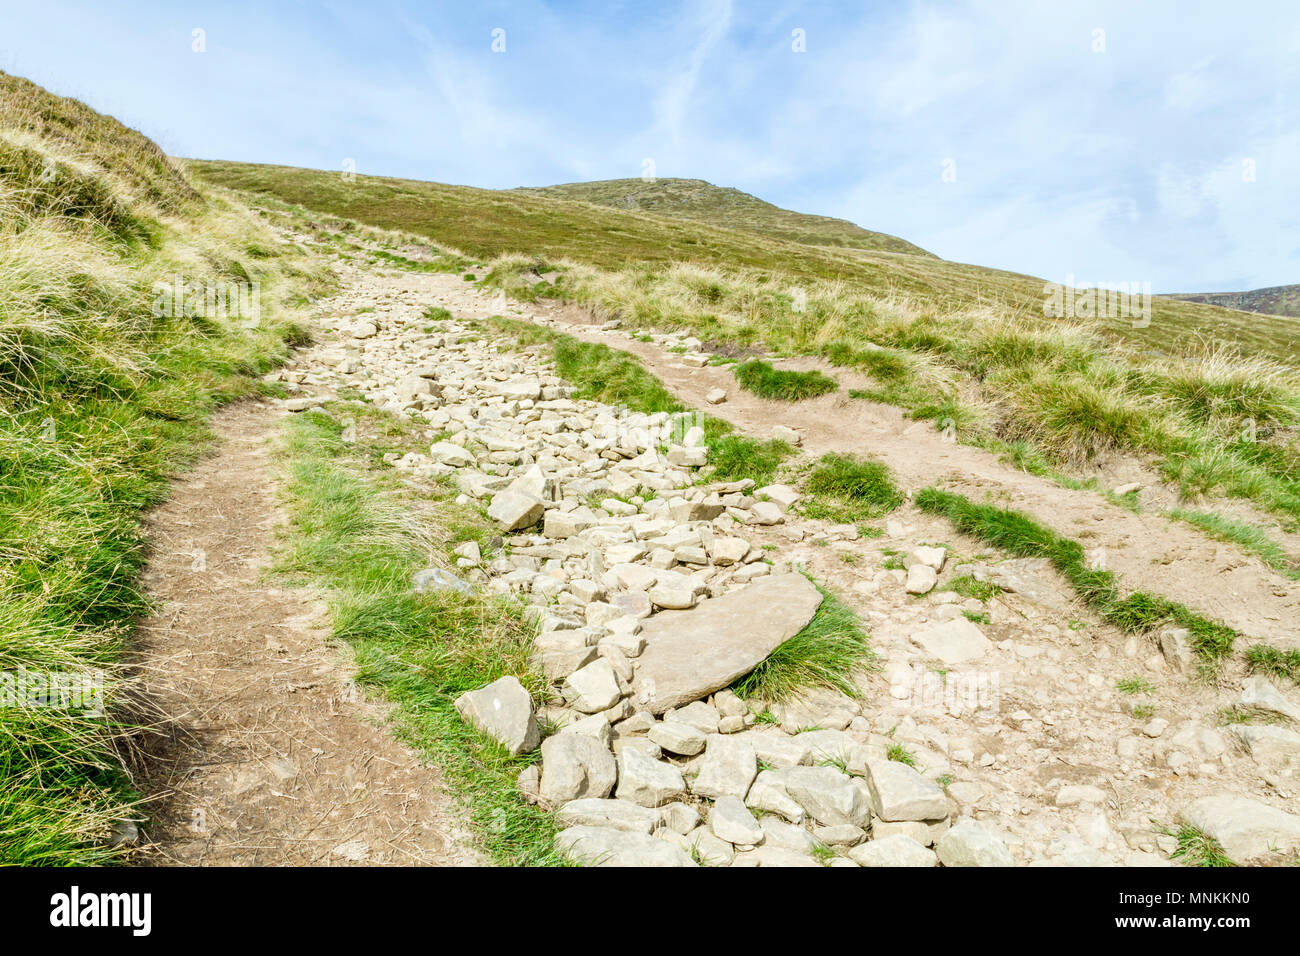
[[1093, 142]]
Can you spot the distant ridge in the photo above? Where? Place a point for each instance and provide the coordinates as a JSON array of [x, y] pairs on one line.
[[1273, 300]]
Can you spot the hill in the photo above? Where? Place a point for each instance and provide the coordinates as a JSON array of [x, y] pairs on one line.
[[484, 223], [73, 159], [1274, 300], [700, 201]]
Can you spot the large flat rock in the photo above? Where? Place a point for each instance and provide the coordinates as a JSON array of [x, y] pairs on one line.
[[690, 654], [1246, 829]]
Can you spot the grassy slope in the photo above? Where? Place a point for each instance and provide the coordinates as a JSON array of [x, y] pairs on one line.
[[100, 401], [703, 202], [486, 223]]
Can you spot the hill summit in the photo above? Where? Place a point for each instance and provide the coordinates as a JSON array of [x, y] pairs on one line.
[[702, 201]]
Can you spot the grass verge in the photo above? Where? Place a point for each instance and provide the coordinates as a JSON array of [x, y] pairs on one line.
[[419, 651], [1019, 535], [105, 389], [1248, 537]]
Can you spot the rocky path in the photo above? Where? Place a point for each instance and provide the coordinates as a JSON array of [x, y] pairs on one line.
[[269, 757], [1151, 552], [1014, 729]]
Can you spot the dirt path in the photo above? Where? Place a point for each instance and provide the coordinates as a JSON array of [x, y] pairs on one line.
[[1152, 553], [272, 759]]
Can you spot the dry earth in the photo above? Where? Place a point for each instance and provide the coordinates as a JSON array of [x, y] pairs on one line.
[[270, 756]]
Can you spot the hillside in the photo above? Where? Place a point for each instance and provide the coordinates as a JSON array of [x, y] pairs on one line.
[[113, 160], [700, 201], [485, 223], [103, 396], [1273, 300]]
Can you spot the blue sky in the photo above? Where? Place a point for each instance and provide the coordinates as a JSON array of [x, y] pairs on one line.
[[1164, 149]]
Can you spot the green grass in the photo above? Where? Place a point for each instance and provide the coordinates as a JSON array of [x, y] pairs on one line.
[[698, 201], [969, 586], [846, 490], [101, 402], [826, 653], [735, 457], [353, 538], [1247, 536], [900, 754], [68, 128], [1134, 685], [1263, 659], [823, 854], [1197, 848], [1021, 536], [598, 372], [782, 385], [589, 223], [485, 223]]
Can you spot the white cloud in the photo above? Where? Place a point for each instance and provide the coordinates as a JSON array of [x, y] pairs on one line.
[[673, 103]]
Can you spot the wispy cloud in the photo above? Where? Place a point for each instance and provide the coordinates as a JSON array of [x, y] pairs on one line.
[[1168, 155], [674, 100]]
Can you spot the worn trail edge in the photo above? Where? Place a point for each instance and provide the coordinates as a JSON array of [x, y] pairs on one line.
[[268, 756]]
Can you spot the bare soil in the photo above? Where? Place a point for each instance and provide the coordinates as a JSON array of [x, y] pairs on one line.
[[269, 756]]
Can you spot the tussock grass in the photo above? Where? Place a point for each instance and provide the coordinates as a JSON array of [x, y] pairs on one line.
[[845, 489], [1021, 536], [419, 651], [1263, 659], [783, 385], [111, 161], [735, 457], [826, 653]]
